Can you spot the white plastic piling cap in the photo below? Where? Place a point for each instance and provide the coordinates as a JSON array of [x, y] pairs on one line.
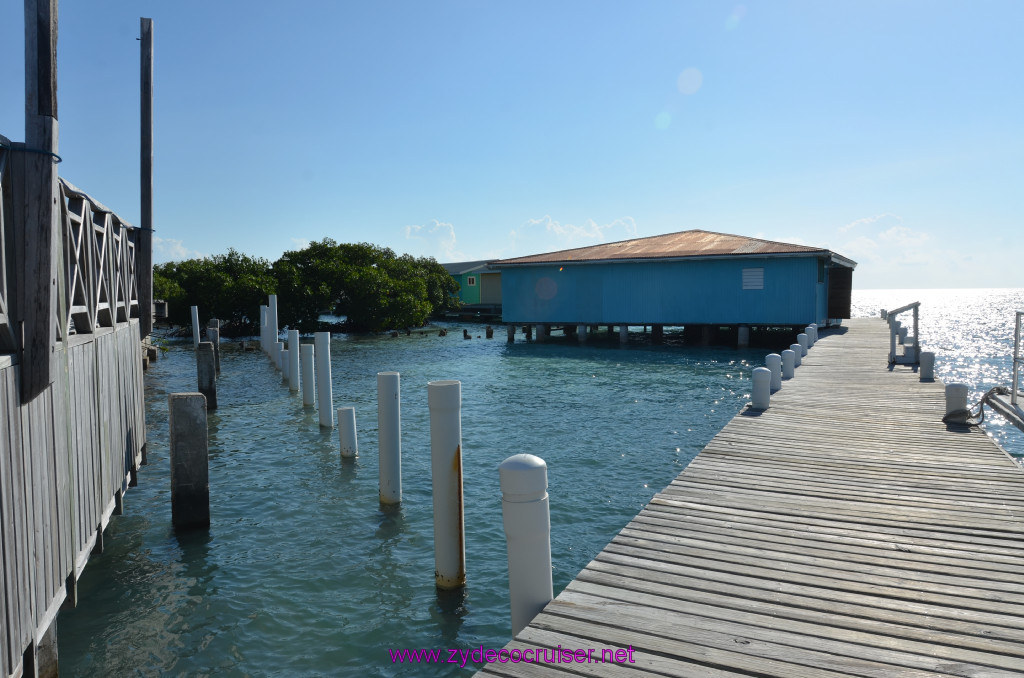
[[523, 478], [773, 359], [444, 395]]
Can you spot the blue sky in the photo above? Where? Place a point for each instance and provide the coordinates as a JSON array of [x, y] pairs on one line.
[[887, 131]]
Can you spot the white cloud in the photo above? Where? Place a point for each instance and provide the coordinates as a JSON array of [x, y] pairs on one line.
[[867, 221], [437, 239], [167, 249], [546, 234], [300, 243]]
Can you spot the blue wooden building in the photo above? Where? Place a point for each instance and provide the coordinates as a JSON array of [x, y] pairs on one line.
[[688, 278]]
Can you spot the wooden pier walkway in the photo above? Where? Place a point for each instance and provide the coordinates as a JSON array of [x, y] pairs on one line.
[[844, 531]]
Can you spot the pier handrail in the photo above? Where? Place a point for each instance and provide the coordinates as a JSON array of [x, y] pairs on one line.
[[98, 249], [1017, 359], [891, 317]]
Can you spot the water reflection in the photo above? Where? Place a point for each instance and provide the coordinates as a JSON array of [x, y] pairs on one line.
[[448, 612]]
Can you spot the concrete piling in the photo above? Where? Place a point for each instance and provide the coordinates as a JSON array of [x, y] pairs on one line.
[[213, 336], [195, 326], [802, 339], [278, 350], [743, 336], [623, 334], [293, 360], [798, 353], [206, 371], [347, 432], [444, 400], [510, 331], [189, 456], [324, 393], [527, 521], [389, 436], [308, 380]]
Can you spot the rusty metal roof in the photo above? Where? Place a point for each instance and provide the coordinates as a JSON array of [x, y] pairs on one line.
[[694, 243]]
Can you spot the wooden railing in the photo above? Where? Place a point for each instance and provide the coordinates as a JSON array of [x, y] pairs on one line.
[[100, 281], [97, 261]]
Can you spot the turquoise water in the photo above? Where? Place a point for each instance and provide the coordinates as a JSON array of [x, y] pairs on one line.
[[302, 572]]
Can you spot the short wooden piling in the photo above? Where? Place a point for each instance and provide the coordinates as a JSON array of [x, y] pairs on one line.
[[213, 336], [444, 400], [389, 436], [293, 360], [189, 456], [347, 432], [324, 395], [206, 369], [308, 380]]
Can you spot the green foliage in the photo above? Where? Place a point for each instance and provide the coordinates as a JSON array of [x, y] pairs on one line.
[[370, 285]]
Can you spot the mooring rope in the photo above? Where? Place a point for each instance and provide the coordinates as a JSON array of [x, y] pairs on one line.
[[975, 418]]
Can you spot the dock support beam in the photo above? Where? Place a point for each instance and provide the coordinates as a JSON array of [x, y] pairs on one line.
[[510, 330], [623, 334], [190, 459], [581, 333], [657, 334]]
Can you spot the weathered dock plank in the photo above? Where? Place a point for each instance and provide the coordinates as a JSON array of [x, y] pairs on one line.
[[844, 531]]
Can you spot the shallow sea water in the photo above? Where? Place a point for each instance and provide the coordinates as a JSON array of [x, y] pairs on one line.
[[302, 571]]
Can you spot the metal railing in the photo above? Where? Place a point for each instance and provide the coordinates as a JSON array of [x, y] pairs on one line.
[[911, 351]]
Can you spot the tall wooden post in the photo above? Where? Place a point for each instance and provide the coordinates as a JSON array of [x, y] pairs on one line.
[[144, 245], [39, 197]]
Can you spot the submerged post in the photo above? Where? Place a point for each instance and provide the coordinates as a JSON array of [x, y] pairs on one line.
[[788, 363], [389, 436], [444, 400], [308, 383], [324, 396], [347, 432], [527, 521], [761, 392], [773, 361], [189, 455], [293, 360], [206, 369], [195, 326]]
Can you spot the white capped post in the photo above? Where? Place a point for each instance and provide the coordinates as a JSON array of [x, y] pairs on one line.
[[444, 399], [797, 350], [773, 361], [527, 520], [389, 436], [788, 363], [324, 396], [347, 432], [195, 326], [308, 380], [761, 392], [926, 372], [809, 331], [802, 340], [293, 360]]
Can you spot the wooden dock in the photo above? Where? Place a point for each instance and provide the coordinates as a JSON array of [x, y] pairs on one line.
[[844, 531]]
